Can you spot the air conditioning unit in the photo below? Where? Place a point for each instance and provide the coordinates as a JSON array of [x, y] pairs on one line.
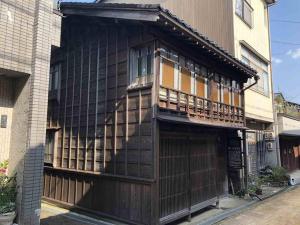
[[269, 146]]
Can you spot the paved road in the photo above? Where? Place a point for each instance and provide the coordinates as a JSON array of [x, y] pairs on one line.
[[283, 209]]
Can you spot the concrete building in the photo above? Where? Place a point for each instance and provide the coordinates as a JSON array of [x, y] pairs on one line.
[[28, 29], [242, 28]]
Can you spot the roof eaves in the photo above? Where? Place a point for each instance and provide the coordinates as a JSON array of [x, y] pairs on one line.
[[166, 14], [209, 44]]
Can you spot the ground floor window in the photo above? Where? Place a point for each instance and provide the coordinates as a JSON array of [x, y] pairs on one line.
[[49, 146]]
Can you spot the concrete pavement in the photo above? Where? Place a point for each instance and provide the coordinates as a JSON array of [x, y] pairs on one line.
[[283, 209]]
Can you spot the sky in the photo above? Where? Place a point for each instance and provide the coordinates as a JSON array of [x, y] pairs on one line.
[[285, 43]]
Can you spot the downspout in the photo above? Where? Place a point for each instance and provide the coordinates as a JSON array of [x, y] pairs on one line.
[[245, 150], [251, 85]]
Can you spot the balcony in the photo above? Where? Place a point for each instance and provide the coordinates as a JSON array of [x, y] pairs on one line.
[[187, 107]]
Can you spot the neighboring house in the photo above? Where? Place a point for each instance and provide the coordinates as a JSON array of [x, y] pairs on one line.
[[288, 116], [28, 29], [146, 116], [242, 28]]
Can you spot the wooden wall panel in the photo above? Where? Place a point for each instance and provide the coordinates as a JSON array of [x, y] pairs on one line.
[[236, 99], [123, 199], [213, 18], [214, 91], [200, 87], [168, 74], [102, 124], [185, 81], [226, 96]]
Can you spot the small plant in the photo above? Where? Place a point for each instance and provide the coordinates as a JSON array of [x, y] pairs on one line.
[[255, 185], [8, 194], [3, 167], [277, 176]]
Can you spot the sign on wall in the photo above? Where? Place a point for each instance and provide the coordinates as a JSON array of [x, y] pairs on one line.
[[234, 153]]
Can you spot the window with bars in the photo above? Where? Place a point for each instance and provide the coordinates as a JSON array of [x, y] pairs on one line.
[[249, 58], [244, 10]]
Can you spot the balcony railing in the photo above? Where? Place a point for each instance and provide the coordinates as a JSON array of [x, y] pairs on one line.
[[192, 106]]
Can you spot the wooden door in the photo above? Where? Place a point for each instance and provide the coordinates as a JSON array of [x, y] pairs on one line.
[[188, 174], [203, 172], [290, 154], [173, 175]]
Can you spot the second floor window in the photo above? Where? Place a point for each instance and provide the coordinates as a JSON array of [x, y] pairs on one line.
[[261, 67], [54, 77], [244, 10], [141, 64]]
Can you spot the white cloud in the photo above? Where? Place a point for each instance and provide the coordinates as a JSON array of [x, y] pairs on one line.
[[295, 54], [276, 60]]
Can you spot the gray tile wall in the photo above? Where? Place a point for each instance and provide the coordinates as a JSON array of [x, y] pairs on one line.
[[28, 27]]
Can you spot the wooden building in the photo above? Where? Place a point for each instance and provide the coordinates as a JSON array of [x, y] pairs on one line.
[[144, 115]]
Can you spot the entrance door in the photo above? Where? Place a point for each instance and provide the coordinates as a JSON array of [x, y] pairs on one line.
[[290, 153], [174, 176], [203, 172], [188, 174]]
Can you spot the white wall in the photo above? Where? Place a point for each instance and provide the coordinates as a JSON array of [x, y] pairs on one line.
[[288, 126], [258, 106]]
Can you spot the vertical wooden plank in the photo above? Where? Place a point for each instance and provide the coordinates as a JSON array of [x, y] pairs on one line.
[[105, 101], [71, 128], [139, 132], [116, 104], [65, 109], [96, 110], [88, 105], [79, 113], [126, 137], [126, 116]]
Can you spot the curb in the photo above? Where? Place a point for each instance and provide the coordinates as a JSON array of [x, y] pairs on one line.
[[238, 210]]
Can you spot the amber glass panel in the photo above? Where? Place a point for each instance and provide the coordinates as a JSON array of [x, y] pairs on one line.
[[226, 96], [214, 91], [236, 99], [167, 74], [200, 87], [185, 81]]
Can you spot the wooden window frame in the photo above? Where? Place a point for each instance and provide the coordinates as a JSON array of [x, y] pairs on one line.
[[55, 78], [241, 15], [52, 162], [136, 79]]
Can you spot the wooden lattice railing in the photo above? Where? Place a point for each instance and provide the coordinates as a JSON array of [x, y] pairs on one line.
[[199, 108]]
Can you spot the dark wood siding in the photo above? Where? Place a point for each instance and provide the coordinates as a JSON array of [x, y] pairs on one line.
[[127, 200], [104, 161], [192, 169], [104, 127]]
